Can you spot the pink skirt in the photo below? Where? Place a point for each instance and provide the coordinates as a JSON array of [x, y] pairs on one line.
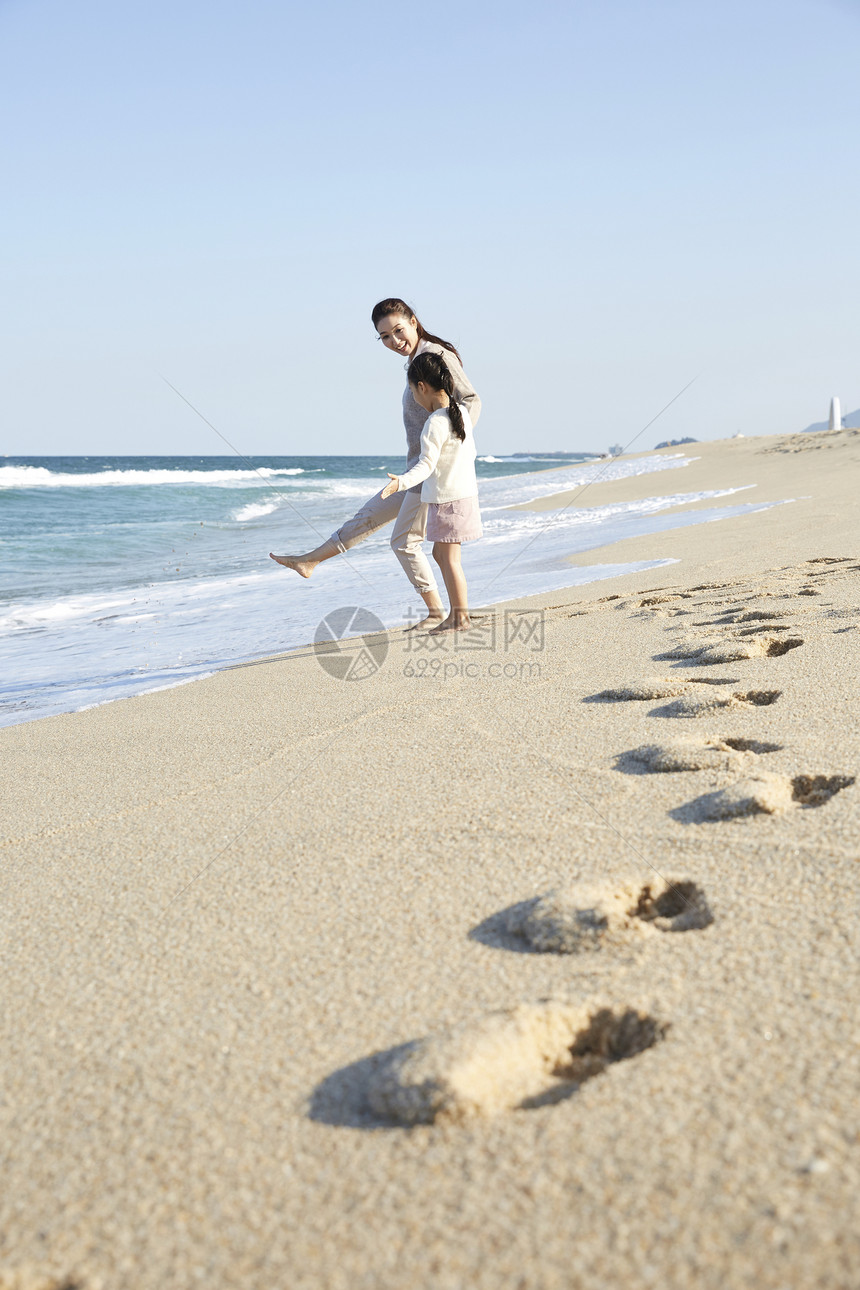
[[458, 521]]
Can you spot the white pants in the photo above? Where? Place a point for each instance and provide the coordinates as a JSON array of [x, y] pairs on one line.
[[409, 514]]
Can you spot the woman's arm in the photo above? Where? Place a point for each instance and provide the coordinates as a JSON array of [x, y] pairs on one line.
[[464, 391], [432, 437]]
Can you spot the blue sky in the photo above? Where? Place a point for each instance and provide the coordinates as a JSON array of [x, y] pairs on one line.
[[596, 201]]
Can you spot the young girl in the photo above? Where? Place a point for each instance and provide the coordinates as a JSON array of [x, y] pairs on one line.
[[447, 468], [401, 332]]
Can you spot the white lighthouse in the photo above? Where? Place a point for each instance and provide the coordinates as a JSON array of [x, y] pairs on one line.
[[835, 422]]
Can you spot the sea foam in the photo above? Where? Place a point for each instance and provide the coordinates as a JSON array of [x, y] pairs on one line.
[[41, 477]]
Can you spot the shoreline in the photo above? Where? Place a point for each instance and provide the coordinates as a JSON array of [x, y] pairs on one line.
[[651, 484], [284, 1003]]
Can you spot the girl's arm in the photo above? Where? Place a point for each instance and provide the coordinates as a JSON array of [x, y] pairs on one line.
[[432, 437]]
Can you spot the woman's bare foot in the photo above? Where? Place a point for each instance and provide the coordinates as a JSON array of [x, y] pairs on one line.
[[304, 568], [426, 622], [456, 622]]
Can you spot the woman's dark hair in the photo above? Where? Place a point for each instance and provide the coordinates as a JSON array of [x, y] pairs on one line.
[[394, 305], [434, 371]]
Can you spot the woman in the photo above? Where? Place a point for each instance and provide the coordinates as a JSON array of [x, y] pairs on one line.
[[446, 473], [401, 332]]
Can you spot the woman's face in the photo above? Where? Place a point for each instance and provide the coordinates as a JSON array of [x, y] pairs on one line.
[[398, 333]]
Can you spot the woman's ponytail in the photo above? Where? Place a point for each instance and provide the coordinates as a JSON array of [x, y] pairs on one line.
[[434, 371]]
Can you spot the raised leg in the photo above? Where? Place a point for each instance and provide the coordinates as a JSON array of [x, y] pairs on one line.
[[373, 516]]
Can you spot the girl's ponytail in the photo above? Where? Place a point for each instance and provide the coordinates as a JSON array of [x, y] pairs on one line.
[[454, 410], [434, 371]]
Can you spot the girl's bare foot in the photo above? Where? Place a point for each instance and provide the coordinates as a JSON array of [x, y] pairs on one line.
[[458, 622], [304, 568], [426, 622]]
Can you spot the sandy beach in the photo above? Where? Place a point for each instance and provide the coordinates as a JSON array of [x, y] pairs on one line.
[[528, 963]]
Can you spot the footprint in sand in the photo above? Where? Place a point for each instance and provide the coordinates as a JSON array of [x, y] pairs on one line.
[[691, 706], [582, 918], [736, 616], [655, 688], [527, 1057], [829, 559], [691, 754], [752, 645], [761, 615], [763, 794], [840, 565]]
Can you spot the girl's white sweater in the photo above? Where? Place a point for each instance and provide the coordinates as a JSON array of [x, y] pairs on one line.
[[446, 464]]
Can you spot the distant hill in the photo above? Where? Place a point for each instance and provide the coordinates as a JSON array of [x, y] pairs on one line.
[[851, 421], [673, 443]]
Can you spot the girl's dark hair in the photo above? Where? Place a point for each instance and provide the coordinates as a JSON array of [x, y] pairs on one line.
[[434, 371], [394, 305]]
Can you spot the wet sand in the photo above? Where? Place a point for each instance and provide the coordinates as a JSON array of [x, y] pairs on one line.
[[531, 963]]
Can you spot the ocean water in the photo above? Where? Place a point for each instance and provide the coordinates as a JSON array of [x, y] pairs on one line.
[[127, 574]]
